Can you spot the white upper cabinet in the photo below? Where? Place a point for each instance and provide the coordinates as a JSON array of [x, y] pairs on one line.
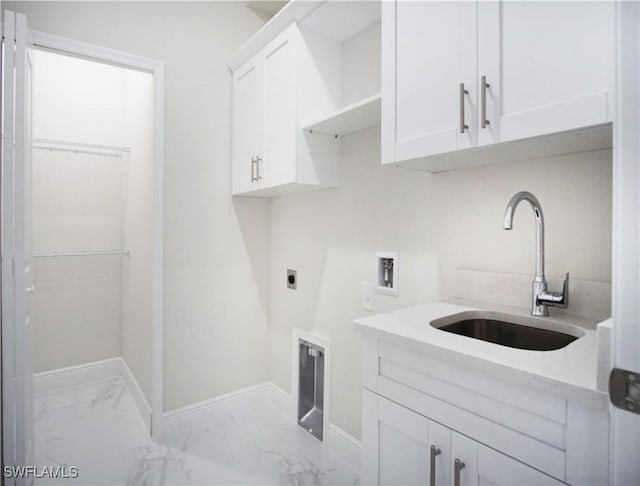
[[459, 75], [428, 58], [280, 111], [310, 76], [247, 125], [548, 64], [271, 155]]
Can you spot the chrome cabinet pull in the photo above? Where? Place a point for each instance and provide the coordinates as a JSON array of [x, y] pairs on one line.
[[458, 466], [463, 92], [255, 168], [258, 160], [253, 165], [434, 452], [483, 102]]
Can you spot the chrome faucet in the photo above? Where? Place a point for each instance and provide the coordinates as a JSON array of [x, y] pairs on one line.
[[542, 297]]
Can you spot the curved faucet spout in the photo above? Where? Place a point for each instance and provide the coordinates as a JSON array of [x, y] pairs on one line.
[[541, 297], [539, 218]]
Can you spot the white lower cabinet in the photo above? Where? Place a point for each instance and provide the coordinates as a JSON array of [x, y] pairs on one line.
[[426, 420], [413, 450]]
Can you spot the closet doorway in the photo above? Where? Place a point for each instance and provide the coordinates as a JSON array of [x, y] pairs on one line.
[[97, 183]]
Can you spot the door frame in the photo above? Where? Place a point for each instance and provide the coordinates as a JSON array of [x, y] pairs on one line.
[[155, 67], [625, 426]]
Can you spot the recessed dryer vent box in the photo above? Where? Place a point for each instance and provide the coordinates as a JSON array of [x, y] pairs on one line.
[[387, 273]]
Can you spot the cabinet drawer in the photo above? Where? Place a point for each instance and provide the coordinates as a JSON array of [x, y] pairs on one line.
[[393, 361], [490, 407]]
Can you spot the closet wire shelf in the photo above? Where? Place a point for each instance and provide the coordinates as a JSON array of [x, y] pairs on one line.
[[80, 148], [82, 253]]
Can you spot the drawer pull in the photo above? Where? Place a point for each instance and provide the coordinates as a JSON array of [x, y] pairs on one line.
[[434, 452], [458, 466]]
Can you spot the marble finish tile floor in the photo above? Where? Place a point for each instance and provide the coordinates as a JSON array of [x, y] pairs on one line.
[[97, 428]]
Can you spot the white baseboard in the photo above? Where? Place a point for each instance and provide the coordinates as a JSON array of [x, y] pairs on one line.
[[56, 380], [186, 418], [282, 401], [345, 446], [138, 395]]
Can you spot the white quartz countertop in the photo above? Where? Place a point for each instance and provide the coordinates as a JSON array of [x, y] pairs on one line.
[[570, 371]]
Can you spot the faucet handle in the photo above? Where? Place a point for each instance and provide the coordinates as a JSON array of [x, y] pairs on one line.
[[556, 299]]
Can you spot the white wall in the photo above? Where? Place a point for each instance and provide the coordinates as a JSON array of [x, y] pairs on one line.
[[216, 250], [437, 224], [66, 105]]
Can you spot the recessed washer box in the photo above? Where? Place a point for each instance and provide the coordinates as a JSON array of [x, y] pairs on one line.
[[387, 273]]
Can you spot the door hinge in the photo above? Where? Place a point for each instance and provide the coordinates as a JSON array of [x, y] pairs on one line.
[[624, 389]]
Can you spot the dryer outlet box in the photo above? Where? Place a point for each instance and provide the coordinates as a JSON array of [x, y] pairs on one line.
[[292, 279]]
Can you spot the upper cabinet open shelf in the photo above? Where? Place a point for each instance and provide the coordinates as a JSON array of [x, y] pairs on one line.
[[342, 43], [352, 118], [341, 20]]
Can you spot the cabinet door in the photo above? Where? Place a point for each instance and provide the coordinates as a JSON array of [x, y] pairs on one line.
[[548, 64], [409, 445], [403, 445], [429, 49], [464, 460], [480, 465], [278, 165], [247, 125]]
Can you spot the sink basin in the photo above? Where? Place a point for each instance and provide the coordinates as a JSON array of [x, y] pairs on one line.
[[510, 330]]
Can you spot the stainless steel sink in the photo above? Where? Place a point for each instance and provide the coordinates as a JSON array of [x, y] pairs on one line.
[[510, 330]]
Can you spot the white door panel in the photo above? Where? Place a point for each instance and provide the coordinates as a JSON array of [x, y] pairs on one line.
[[429, 50], [247, 87], [548, 64], [8, 313], [403, 448], [280, 113], [435, 52], [625, 439], [16, 250]]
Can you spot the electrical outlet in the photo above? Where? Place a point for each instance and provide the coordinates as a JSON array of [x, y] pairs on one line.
[[292, 279], [367, 296]]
